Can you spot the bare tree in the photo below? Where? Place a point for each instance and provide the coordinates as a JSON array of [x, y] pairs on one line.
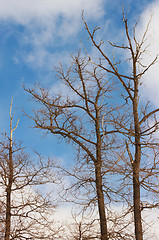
[[135, 121], [26, 213], [77, 118], [97, 125]]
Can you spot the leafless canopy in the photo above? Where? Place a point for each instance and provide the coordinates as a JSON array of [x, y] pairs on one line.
[[102, 115]]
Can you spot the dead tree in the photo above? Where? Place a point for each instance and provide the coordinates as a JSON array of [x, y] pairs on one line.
[[10, 179], [135, 122], [86, 117], [26, 213], [77, 118]]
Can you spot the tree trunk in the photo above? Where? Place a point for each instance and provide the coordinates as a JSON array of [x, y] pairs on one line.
[[136, 167], [136, 191], [8, 213], [101, 206], [98, 176], [8, 196], [136, 199]]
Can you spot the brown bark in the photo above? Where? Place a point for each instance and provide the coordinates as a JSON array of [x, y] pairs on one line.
[[136, 199], [8, 196], [98, 177], [101, 205], [136, 165]]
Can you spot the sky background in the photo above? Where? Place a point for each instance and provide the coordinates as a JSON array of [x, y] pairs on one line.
[[37, 35]]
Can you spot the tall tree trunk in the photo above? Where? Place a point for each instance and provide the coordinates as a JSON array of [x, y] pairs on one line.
[[136, 167], [101, 205], [99, 187], [8, 196], [8, 213], [136, 199], [136, 191]]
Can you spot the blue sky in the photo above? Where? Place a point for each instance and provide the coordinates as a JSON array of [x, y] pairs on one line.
[[36, 35]]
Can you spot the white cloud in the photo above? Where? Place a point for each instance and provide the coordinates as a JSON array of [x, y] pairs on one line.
[[24, 12], [151, 79], [45, 20]]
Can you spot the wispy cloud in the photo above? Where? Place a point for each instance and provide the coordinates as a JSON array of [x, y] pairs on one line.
[[24, 12], [46, 23]]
